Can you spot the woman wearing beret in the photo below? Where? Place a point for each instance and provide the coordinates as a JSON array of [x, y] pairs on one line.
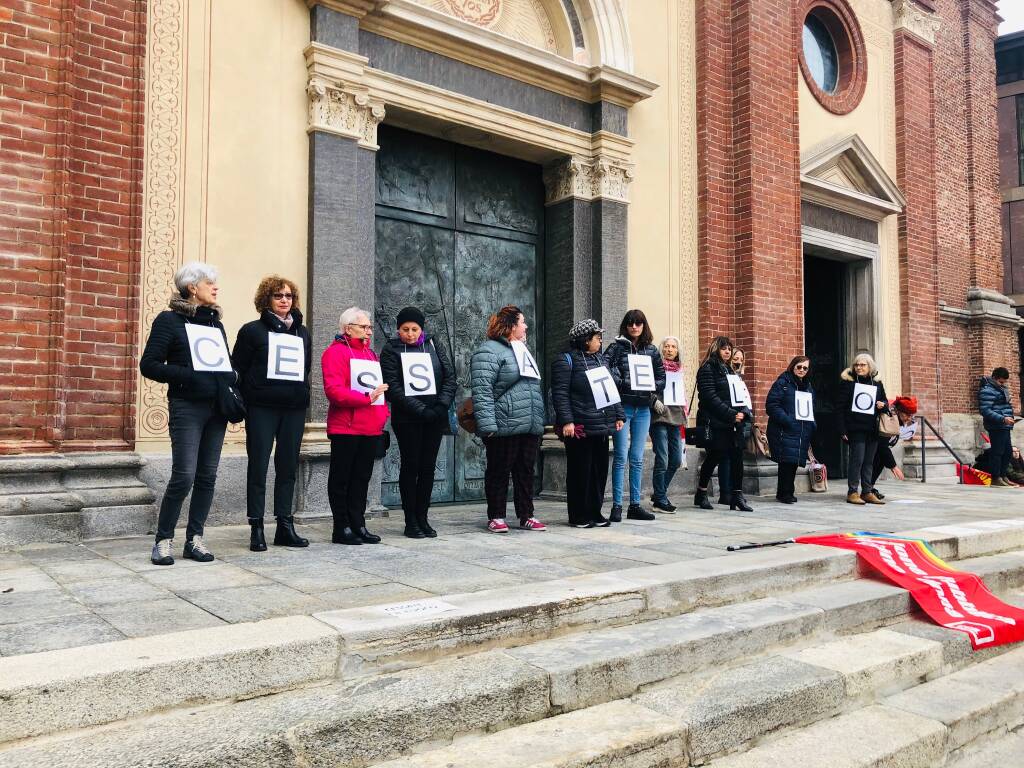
[[585, 419], [274, 380], [418, 420]]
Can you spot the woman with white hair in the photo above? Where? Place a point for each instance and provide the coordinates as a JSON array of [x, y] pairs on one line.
[[179, 342], [861, 399], [355, 420]]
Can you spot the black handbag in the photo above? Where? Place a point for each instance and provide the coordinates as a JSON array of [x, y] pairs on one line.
[[230, 404]]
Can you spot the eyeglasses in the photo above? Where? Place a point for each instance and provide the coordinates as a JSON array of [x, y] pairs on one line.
[[279, 296], [366, 328]]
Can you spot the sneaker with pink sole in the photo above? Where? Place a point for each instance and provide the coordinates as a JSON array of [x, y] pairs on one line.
[[497, 526], [532, 524]]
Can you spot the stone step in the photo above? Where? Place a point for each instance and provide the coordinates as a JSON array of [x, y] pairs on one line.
[[940, 464], [53, 691], [1004, 750], [357, 722]]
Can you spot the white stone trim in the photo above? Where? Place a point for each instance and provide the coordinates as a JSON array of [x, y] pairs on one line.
[[576, 177], [911, 17]]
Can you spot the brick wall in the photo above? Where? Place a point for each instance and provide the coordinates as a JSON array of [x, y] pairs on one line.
[[70, 193]]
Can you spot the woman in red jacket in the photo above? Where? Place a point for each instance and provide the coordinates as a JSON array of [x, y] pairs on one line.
[[355, 421]]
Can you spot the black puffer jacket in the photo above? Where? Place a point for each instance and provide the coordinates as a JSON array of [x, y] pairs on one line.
[[167, 359], [715, 404], [249, 358], [573, 398], [406, 408], [848, 421], [618, 363], [788, 437]]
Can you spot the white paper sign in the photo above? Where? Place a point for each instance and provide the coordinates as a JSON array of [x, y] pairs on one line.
[[675, 389], [286, 357], [908, 431], [527, 365], [208, 348], [366, 377], [641, 373], [418, 374], [739, 395], [603, 386], [864, 398], [804, 406]]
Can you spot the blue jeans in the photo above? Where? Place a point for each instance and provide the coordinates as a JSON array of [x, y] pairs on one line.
[[631, 439], [668, 457]]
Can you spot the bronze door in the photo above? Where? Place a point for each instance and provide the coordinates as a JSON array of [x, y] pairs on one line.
[[459, 233]]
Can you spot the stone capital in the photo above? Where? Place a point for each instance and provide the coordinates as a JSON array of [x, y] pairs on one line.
[[586, 179], [916, 19], [344, 109], [357, 8]]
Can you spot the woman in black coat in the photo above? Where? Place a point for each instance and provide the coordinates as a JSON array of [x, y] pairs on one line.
[[418, 420], [195, 424], [582, 424], [789, 437], [718, 420], [860, 429], [275, 384]]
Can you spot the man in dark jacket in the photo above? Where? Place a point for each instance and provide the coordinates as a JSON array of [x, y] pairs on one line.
[[997, 413]]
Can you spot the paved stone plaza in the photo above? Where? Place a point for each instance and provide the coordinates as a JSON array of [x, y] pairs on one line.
[[68, 595]]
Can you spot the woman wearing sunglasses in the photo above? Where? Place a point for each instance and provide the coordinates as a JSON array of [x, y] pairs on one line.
[[790, 423], [274, 380]]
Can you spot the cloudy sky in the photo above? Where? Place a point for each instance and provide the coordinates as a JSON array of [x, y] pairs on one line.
[[1013, 12]]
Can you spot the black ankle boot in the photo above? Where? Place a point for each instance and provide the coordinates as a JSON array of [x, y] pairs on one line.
[[425, 526], [285, 535], [257, 542], [615, 515], [367, 537], [700, 499], [636, 512], [413, 529], [345, 536], [739, 501]]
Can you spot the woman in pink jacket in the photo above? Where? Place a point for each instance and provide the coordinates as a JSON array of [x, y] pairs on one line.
[[355, 421]]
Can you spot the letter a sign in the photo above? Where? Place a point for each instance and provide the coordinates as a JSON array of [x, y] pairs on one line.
[[603, 387], [418, 373], [366, 377], [804, 406], [527, 365], [864, 398], [208, 348], [286, 357]]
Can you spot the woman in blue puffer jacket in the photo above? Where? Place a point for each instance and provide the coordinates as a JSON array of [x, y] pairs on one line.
[[508, 405], [789, 437]]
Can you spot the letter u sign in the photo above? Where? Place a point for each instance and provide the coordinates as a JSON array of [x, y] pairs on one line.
[[804, 406]]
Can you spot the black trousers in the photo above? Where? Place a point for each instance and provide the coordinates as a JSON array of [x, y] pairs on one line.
[[514, 455], [1001, 451], [715, 457], [349, 478], [418, 444], [787, 481], [736, 469], [586, 469], [264, 426]]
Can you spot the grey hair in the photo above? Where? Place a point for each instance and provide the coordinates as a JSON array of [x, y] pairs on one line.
[[864, 357], [348, 317], [193, 273], [679, 347]]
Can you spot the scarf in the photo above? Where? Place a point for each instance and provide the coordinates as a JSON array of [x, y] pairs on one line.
[[671, 366]]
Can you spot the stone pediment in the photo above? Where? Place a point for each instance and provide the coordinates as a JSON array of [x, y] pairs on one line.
[[847, 176]]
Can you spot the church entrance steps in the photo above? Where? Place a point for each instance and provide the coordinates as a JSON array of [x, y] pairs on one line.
[[743, 667]]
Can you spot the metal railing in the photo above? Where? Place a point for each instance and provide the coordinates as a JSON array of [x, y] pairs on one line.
[[925, 423]]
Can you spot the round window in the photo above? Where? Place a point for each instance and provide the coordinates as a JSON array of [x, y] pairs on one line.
[[821, 54], [832, 56]]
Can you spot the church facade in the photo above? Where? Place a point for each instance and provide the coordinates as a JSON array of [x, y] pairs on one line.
[[802, 175]]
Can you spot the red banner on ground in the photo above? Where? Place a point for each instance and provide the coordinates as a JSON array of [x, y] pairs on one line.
[[952, 598]]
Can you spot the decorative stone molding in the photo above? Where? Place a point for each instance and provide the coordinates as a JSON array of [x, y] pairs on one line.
[[983, 306], [913, 18], [601, 178], [345, 110]]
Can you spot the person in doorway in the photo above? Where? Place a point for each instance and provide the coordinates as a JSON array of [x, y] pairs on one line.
[[508, 406], [276, 397], [790, 429], [997, 414], [634, 338], [584, 420], [717, 418], [419, 421], [195, 424], [665, 435], [905, 409], [733, 495], [857, 411], [355, 422]]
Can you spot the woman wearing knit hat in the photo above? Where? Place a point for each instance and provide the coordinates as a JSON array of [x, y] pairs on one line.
[[906, 410], [420, 393], [587, 412]]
